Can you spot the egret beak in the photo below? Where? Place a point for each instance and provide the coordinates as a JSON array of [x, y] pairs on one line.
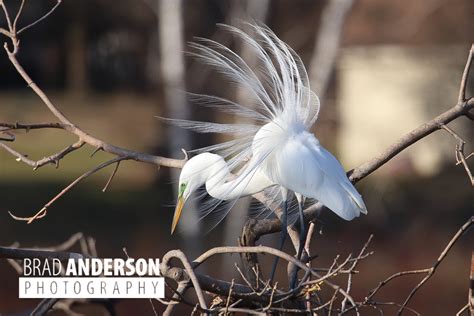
[[177, 213]]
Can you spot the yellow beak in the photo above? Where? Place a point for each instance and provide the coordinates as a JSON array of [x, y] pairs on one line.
[[177, 213]]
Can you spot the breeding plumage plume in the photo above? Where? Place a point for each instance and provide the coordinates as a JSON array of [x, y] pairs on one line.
[[275, 150]]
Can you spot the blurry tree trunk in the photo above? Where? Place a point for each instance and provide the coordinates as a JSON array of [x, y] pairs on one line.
[[328, 39], [247, 11], [76, 77], [170, 25]]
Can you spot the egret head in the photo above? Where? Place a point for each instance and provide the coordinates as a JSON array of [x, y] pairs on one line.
[[193, 175]]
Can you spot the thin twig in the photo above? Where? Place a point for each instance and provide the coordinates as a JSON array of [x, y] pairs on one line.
[[428, 271], [244, 278], [42, 212], [465, 76], [111, 176], [44, 306], [443, 254], [53, 159], [19, 253], [352, 268], [58, 2], [459, 152], [27, 127], [463, 309], [10, 138], [68, 125], [307, 246], [177, 296], [68, 244], [7, 16], [18, 14], [5, 32], [375, 304], [270, 302], [275, 252], [226, 311]]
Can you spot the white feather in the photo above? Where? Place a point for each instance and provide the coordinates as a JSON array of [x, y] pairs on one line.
[[276, 148]]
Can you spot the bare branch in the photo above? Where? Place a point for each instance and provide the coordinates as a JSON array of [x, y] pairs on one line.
[[226, 310], [307, 247], [68, 244], [42, 212], [256, 249], [111, 177], [18, 13], [58, 2], [27, 127], [186, 277], [19, 156], [179, 292], [463, 309], [5, 32], [459, 152], [460, 109], [182, 257], [409, 139], [428, 271], [352, 268], [441, 257], [14, 255], [355, 175], [17, 253], [7, 16], [275, 252], [465, 76], [54, 159], [66, 123], [69, 126], [44, 306]]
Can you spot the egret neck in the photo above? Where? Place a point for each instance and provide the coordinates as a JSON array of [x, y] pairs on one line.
[[213, 171]]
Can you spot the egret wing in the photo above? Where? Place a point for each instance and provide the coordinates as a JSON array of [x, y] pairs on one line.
[[305, 167]]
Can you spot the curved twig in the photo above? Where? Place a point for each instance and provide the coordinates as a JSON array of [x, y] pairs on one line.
[[189, 269], [268, 250]]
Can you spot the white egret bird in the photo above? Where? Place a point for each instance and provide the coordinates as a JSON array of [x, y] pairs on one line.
[[275, 149]]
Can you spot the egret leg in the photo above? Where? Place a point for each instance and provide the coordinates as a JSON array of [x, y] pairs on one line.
[[300, 199], [284, 224], [302, 240]]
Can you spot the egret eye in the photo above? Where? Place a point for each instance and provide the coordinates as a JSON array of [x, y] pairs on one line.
[[182, 187]]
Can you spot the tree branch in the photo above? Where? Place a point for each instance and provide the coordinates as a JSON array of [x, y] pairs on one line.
[[465, 76], [66, 123], [58, 2], [17, 253], [187, 266], [409, 139], [186, 277], [428, 271], [441, 257], [42, 212]]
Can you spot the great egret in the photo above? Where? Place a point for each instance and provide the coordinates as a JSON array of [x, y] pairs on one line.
[[275, 148]]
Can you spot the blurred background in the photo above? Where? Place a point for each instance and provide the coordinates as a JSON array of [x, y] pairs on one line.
[[381, 68]]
